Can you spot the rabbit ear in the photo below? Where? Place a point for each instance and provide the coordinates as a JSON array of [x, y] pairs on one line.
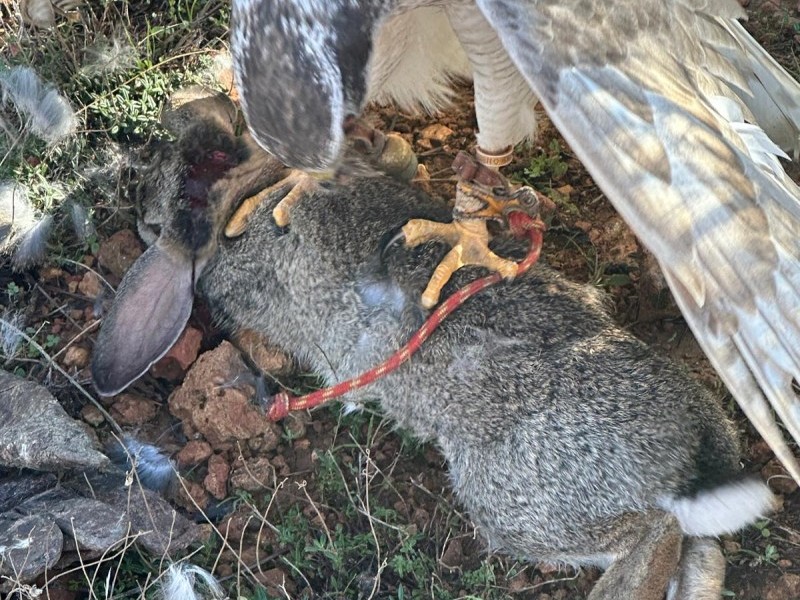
[[152, 306]]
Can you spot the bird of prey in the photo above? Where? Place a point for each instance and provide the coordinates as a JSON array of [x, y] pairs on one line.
[[677, 113]]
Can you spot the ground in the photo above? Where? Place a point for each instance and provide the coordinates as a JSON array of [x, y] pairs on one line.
[[325, 505]]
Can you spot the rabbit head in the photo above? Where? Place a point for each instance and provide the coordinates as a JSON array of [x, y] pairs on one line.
[[184, 198]]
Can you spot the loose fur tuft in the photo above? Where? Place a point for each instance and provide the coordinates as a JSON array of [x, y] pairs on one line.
[[81, 221], [107, 56], [23, 235], [11, 324], [31, 249], [43, 111], [184, 581], [155, 470]]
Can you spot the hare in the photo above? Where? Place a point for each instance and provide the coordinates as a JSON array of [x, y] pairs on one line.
[[566, 438]]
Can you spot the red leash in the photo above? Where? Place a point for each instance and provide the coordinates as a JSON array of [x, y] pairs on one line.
[[520, 223]]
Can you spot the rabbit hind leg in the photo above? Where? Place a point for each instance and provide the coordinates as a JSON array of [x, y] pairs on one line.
[[701, 573], [647, 548]]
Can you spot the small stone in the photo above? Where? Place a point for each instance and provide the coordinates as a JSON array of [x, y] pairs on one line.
[[92, 415], [786, 587], [76, 356], [760, 452], [50, 273], [268, 358], [253, 475], [295, 424], [193, 453], [179, 358], [90, 285], [584, 226], [130, 409], [436, 133], [777, 477], [519, 583], [565, 190], [277, 583], [235, 525], [119, 252], [453, 555], [731, 547], [423, 145], [216, 481], [192, 496]]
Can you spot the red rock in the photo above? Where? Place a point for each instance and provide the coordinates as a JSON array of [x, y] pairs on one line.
[[787, 587], [777, 477], [50, 273], [90, 285], [436, 132], [252, 475], [92, 415], [268, 358], [277, 582], [453, 555], [192, 496], [130, 409], [210, 405], [76, 356], [234, 526], [216, 481], [119, 252], [193, 453], [179, 358]]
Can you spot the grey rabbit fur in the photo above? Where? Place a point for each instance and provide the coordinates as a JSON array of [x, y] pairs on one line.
[[566, 438]]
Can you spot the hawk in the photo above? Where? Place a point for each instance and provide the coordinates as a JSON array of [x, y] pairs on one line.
[[678, 114]]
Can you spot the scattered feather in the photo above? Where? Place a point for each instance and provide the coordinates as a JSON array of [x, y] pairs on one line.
[[16, 213], [108, 56], [154, 468], [184, 581], [81, 221], [22, 234], [31, 249], [11, 325], [106, 169], [44, 112]]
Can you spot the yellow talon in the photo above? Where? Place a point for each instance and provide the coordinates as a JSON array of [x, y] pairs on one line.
[[470, 246], [300, 183]]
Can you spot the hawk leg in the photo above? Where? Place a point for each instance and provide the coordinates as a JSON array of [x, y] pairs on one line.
[[482, 195], [388, 153]]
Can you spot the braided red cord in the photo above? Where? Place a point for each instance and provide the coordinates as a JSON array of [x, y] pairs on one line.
[[521, 225]]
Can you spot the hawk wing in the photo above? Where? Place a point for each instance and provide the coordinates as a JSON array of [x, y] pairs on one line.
[[660, 100]]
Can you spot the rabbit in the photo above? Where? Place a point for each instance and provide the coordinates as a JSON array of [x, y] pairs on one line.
[[567, 439]]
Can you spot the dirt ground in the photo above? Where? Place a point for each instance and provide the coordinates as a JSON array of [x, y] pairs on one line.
[[343, 506]]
